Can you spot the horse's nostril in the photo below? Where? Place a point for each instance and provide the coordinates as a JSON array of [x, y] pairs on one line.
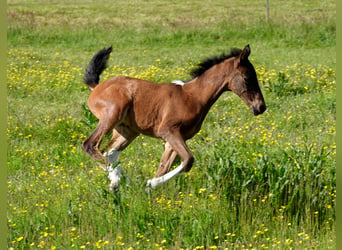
[[259, 110]]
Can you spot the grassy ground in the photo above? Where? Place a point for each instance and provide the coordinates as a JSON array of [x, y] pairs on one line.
[[258, 182]]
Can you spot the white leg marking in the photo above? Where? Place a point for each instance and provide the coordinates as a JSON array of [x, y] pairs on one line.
[[114, 174], [155, 182], [112, 155]]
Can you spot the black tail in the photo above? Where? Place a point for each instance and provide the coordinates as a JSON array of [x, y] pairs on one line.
[[96, 66]]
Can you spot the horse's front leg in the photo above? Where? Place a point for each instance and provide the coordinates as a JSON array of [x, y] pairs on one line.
[[166, 161], [177, 142]]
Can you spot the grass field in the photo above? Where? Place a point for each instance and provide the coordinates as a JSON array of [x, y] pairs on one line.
[[266, 182]]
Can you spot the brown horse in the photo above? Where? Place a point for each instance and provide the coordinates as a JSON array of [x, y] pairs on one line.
[[171, 112]]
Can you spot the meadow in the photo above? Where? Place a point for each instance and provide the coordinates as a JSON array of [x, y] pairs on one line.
[[265, 182]]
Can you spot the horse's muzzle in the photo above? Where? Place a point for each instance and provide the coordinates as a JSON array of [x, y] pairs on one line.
[[258, 110]]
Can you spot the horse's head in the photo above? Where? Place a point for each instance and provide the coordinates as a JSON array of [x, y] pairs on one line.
[[244, 82]]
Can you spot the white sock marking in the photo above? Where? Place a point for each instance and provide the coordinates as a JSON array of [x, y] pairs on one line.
[[112, 155], [114, 175], [155, 182]]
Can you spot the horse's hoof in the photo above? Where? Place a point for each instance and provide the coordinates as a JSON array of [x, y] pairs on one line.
[[152, 183]]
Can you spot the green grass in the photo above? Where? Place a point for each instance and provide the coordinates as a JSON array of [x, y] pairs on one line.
[[258, 182]]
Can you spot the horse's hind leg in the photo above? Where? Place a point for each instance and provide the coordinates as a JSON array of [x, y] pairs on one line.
[[166, 161], [109, 115], [91, 145], [122, 137]]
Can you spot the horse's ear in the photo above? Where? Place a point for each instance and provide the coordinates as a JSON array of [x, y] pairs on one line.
[[245, 53]]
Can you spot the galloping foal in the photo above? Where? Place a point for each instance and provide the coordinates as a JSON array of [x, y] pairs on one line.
[[172, 112]]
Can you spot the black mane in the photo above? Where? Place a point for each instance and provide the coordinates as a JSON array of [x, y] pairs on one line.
[[208, 63]]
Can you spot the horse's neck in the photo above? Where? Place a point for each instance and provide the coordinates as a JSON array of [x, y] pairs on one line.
[[207, 88]]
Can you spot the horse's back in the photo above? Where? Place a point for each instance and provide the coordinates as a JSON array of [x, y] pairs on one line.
[[148, 100]]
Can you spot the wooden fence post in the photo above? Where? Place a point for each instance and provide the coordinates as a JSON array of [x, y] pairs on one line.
[[267, 11]]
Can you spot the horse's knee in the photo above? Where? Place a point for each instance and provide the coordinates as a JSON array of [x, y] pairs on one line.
[[188, 163]]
